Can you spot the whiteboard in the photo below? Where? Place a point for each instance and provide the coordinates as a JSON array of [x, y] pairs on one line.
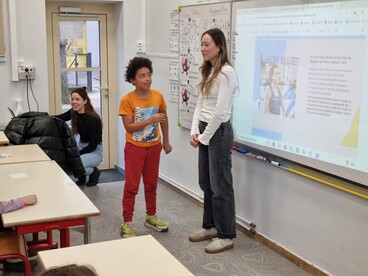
[[194, 21], [302, 69]]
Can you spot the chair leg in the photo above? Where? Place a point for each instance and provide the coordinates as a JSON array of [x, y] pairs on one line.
[[13, 246], [27, 264], [27, 268], [37, 244]]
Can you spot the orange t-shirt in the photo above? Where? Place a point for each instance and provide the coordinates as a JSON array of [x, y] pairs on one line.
[[141, 109]]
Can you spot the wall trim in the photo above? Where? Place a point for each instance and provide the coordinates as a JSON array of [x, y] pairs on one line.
[[120, 169], [250, 232]]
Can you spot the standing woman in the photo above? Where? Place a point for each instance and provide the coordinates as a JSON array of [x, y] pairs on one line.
[[87, 123], [212, 132]]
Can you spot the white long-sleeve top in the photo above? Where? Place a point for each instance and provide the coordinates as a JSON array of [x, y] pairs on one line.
[[215, 108]]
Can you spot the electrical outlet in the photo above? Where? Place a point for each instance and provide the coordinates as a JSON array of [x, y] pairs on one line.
[[141, 46], [26, 72]]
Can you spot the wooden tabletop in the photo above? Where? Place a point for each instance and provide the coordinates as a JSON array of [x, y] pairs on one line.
[[3, 139], [136, 256], [22, 153]]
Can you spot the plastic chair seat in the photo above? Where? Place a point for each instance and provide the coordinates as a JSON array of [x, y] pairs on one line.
[[13, 246]]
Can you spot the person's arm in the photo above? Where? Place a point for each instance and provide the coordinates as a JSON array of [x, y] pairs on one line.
[[131, 126], [227, 86], [267, 100], [126, 110], [165, 134], [94, 135], [282, 104], [66, 116], [194, 132], [197, 112], [14, 204]]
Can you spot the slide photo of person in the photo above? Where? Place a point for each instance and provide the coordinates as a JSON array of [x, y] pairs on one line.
[[277, 92]]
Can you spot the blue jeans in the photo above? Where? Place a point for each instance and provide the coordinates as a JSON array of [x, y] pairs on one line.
[[92, 159], [216, 181]]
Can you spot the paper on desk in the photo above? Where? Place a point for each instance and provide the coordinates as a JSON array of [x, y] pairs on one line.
[[18, 175], [2, 155]]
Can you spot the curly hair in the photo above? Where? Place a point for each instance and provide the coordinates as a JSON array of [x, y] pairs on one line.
[[70, 270], [134, 65]]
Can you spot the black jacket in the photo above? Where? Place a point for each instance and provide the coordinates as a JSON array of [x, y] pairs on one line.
[[52, 135]]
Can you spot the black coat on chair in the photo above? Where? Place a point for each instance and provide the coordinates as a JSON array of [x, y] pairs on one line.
[[52, 135]]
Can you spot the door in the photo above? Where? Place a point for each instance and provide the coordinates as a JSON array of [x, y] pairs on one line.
[[79, 45]]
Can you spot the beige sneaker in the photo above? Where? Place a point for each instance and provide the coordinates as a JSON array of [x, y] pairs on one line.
[[219, 245], [203, 234]]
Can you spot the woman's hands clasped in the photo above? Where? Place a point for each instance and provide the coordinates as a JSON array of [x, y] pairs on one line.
[[194, 142]]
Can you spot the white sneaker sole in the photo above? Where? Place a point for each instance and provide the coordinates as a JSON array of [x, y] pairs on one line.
[[124, 236], [214, 250], [199, 238], [156, 228]]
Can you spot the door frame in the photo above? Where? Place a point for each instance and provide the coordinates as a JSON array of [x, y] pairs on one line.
[[109, 131]]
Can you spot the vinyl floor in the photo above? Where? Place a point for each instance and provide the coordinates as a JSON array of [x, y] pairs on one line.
[[248, 258]]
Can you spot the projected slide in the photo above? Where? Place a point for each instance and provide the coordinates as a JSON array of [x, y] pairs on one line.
[[303, 72]]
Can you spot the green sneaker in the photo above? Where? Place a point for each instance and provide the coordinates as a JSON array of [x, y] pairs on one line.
[[127, 230], [157, 224]]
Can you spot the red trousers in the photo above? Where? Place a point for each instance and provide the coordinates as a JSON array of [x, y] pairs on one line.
[[140, 161]]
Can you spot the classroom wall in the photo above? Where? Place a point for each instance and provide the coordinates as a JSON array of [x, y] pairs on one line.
[[320, 224], [30, 42]]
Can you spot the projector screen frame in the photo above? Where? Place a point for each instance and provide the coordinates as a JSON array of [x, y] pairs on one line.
[[274, 152]]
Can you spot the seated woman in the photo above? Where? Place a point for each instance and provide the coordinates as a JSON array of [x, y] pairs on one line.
[[87, 123]]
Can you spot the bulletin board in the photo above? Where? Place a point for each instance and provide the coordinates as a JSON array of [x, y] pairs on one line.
[[194, 20]]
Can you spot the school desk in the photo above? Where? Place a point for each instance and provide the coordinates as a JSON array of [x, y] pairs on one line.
[[142, 255], [3, 139], [21, 154], [60, 202]]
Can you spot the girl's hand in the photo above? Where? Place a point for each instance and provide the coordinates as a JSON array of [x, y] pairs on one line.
[[29, 199]]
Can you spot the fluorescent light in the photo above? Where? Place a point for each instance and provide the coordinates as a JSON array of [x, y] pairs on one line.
[[70, 9], [76, 15]]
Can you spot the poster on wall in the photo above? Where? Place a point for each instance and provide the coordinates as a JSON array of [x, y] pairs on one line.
[[194, 20], [174, 31], [2, 42]]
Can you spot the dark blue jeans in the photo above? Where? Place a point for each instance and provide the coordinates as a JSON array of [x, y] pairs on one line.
[[216, 181]]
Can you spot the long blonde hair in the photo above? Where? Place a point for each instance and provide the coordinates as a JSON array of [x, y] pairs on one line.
[[206, 68]]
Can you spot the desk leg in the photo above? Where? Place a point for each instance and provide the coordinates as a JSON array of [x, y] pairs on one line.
[[87, 231], [65, 237], [37, 244]]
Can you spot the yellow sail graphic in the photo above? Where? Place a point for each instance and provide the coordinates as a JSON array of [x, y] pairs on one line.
[[351, 138]]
